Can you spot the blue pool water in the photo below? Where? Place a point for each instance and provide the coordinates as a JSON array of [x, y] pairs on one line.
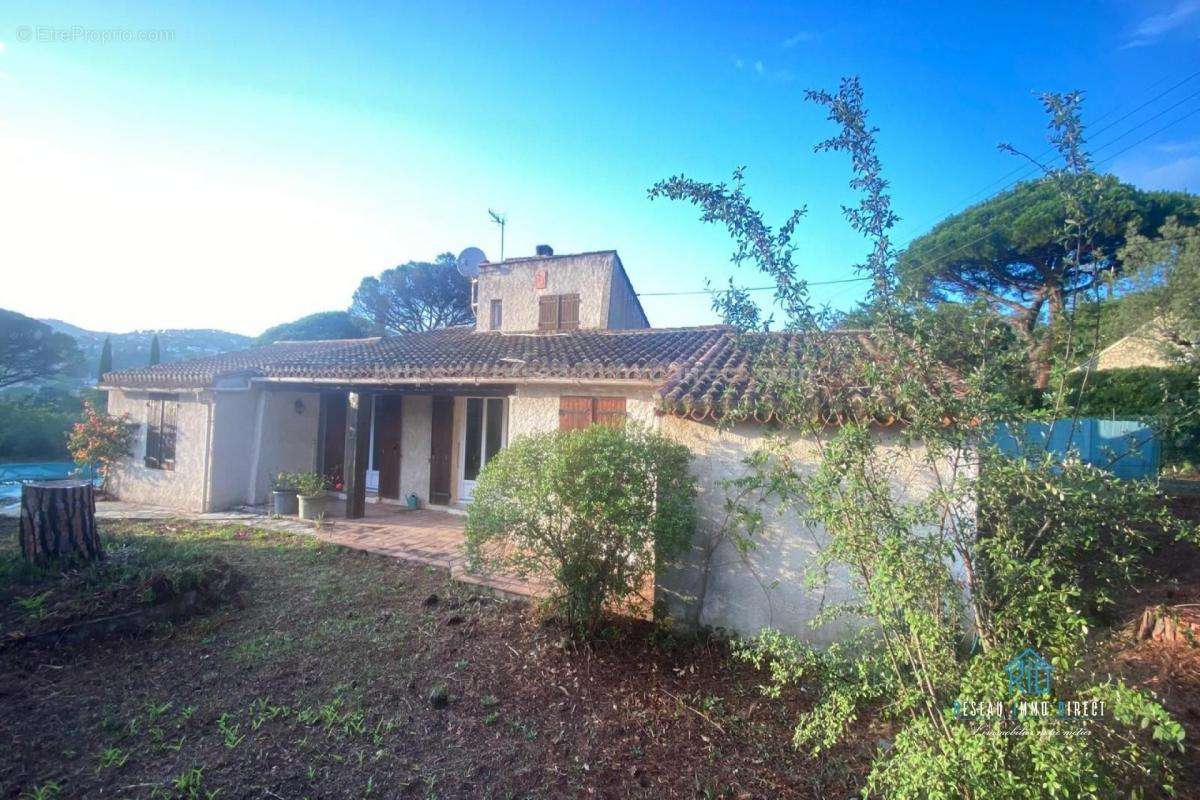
[[12, 474]]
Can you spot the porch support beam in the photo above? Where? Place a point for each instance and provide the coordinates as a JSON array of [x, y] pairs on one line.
[[358, 442]]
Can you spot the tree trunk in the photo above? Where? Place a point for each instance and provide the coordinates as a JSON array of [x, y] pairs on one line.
[[58, 518]]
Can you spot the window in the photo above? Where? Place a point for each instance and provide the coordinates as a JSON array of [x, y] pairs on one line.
[[497, 315], [558, 312], [579, 412], [484, 435], [162, 411]]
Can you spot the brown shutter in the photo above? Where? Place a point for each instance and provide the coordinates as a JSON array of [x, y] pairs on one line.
[[166, 436], [574, 412], [548, 312], [568, 316], [610, 411]]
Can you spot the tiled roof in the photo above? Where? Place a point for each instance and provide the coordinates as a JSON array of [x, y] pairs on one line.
[[452, 353], [701, 373]]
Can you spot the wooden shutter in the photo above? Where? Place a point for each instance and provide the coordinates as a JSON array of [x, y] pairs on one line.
[[574, 412], [153, 423], [548, 312], [568, 314], [166, 434], [609, 411], [497, 315]]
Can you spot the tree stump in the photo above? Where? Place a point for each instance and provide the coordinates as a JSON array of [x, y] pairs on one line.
[[58, 518]]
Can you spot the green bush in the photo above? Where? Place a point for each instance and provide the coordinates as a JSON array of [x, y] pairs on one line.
[[592, 511], [1133, 392]]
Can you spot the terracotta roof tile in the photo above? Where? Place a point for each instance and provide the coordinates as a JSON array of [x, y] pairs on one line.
[[701, 373]]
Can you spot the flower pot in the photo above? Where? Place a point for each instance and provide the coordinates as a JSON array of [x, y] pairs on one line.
[[312, 507], [284, 502]]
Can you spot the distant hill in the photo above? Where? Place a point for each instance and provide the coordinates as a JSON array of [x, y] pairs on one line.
[[133, 349]]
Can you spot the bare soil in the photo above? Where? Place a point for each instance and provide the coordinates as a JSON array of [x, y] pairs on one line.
[[343, 674]]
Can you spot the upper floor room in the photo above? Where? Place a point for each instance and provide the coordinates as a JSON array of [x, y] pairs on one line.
[[548, 292]]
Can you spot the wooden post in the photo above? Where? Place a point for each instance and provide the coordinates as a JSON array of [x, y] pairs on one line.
[[58, 518], [358, 443]]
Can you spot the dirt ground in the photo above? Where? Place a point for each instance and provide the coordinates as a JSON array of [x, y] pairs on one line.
[[343, 674], [330, 673]]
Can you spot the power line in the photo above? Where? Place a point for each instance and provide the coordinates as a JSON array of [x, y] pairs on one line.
[[1024, 171], [1147, 137], [1105, 160], [748, 289], [967, 245]]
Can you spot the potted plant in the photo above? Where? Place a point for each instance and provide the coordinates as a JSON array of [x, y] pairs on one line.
[[283, 494], [311, 487]]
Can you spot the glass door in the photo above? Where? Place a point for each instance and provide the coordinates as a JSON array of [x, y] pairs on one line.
[[484, 433]]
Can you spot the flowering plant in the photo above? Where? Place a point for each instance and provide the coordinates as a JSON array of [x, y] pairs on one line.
[[100, 440]]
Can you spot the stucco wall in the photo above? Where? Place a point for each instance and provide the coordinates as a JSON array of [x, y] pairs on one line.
[[767, 587], [182, 487], [534, 409], [233, 433], [624, 310], [415, 432], [288, 441], [512, 282]]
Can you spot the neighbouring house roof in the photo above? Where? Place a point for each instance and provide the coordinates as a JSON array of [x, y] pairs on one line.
[[700, 373], [1151, 345]]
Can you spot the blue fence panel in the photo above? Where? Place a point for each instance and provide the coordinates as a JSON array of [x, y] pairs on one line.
[[1127, 448]]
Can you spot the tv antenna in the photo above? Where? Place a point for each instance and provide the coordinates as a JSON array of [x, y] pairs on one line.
[[501, 220]]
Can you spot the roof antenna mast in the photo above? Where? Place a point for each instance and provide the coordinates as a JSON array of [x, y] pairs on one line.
[[501, 220]]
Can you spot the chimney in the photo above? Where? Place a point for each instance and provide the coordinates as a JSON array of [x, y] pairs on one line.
[[544, 250]]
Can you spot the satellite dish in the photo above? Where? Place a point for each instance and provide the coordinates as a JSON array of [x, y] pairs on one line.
[[469, 261]]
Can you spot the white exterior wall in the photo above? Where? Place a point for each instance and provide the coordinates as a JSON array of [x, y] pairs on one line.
[[232, 441], [287, 439], [183, 487], [767, 587], [416, 423]]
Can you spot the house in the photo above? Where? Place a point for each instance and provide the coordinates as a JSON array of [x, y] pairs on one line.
[[1151, 345], [560, 341]]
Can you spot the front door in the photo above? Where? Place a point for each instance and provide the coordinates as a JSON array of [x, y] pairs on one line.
[[441, 440], [386, 456], [484, 432]]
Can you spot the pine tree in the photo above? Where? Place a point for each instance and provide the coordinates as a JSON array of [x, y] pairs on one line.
[[155, 357], [105, 358]]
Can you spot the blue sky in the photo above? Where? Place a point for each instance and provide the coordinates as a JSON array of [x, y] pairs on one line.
[[217, 165]]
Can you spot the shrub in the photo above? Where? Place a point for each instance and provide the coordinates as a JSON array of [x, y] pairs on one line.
[[33, 431], [593, 511]]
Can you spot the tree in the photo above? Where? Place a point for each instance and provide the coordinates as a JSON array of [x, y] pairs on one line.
[[1165, 271], [417, 296], [1010, 252], [30, 349], [155, 355], [105, 358], [322, 325]]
